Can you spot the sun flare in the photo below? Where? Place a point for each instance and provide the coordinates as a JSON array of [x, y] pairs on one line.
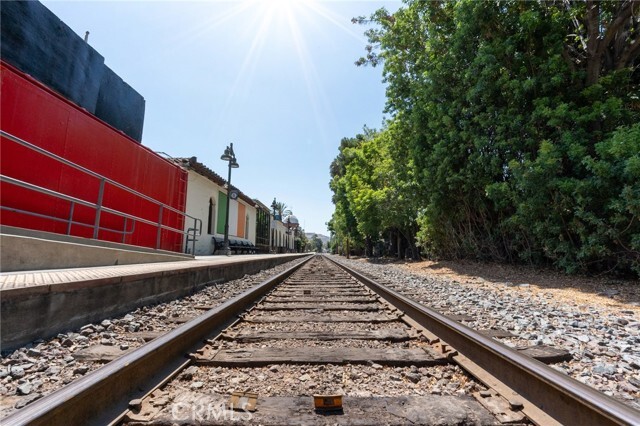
[[286, 25], [282, 4]]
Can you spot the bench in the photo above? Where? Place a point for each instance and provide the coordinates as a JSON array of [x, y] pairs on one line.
[[235, 245]]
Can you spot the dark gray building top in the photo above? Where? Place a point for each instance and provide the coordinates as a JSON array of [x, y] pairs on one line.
[[38, 43]]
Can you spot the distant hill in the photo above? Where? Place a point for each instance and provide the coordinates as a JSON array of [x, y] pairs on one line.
[[324, 238]]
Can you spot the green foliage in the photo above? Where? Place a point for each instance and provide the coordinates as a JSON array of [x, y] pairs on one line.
[[513, 135], [343, 223], [282, 209], [377, 184], [314, 244], [301, 240]]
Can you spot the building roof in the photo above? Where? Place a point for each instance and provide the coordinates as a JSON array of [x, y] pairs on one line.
[[292, 220], [262, 205], [193, 164]]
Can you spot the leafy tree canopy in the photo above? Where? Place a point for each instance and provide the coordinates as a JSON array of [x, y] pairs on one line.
[[513, 133]]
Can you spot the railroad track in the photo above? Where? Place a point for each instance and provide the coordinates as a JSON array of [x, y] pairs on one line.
[[337, 332]]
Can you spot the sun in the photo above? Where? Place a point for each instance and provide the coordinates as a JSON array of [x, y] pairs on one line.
[[281, 4], [285, 25], [287, 9]]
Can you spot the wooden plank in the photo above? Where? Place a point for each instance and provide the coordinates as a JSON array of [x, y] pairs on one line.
[[324, 317], [497, 333], [351, 284], [160, 409], [318, 299], [320, 290], [319, 287], [546, 354], [322, 281], [294, 305], [460, 318], [319, 282], [203, 307], [500, 408], [255, 357], [100, 353], [148, 336], [391, 335]]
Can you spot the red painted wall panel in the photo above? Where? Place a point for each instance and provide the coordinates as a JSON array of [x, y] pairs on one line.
[[36, 114]]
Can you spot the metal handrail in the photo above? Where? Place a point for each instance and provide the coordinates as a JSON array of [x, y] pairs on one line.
[[191, 233], [73, 201], [69, 222], [87, 171]]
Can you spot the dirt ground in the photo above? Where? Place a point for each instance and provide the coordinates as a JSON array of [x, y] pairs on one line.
[[601, 291]]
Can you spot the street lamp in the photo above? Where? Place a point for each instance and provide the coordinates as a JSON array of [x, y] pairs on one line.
[[288, 225], [272, 237], [229, 156]]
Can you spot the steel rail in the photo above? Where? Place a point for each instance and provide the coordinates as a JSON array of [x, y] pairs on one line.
[[107, 391], [563, 398]]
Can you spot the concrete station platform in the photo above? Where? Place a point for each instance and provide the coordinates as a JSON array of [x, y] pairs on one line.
[[26, 250], [41, 303]]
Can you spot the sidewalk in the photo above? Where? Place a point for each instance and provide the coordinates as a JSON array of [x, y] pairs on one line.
[[22, 279], [38, 304]]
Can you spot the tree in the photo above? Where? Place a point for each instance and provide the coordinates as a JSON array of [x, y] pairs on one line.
[[301, 241], [282, 209], [343, 224], [509, 116], [315, 244], [604, 36]]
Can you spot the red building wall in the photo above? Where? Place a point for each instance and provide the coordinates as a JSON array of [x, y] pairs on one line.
[[32, 112]]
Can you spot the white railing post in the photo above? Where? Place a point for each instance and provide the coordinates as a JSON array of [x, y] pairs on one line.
[[70, 218], [159, 227], [96, 226]]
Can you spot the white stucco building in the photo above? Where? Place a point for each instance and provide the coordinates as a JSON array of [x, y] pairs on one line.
[[207, 201]]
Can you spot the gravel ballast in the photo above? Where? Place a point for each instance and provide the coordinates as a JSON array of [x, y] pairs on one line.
[[604, 340], [42, 367]]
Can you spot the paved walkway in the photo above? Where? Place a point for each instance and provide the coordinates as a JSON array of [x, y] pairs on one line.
[[22, 279]]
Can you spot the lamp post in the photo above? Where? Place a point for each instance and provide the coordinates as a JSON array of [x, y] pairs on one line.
[[288, 234], [229, 156], [272, 242]]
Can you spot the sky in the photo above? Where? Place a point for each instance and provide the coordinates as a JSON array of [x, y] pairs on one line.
[[274, 77]]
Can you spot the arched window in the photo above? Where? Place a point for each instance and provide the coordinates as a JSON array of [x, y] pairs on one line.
[[211, 222]]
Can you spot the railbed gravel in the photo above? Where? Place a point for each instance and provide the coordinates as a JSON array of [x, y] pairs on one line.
[[604, 342], [312, 343], [285, 327], [36, 370], [362, 316]]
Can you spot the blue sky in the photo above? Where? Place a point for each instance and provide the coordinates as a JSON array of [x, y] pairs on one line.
[[275, 77]]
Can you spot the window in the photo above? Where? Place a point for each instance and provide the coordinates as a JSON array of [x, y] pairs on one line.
[[246, 228]]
